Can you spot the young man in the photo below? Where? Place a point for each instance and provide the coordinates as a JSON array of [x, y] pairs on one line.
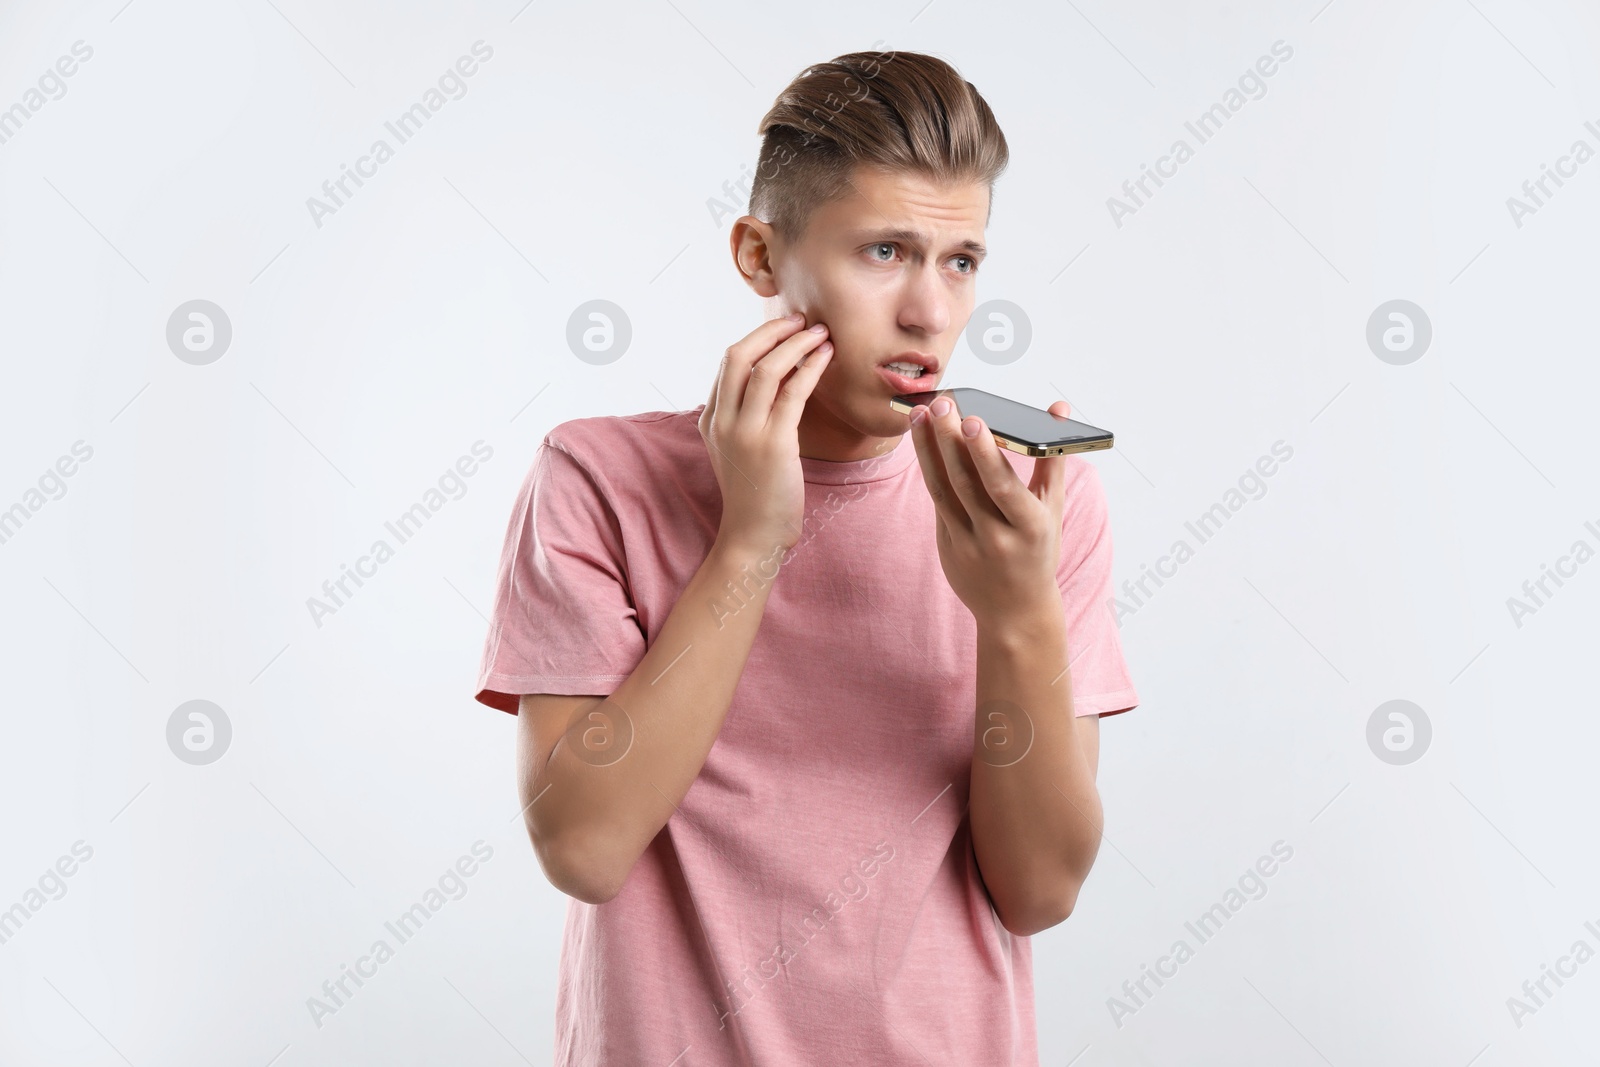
[[811, 740]]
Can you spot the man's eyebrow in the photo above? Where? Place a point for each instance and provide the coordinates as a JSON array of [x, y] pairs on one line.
[[917, 237]]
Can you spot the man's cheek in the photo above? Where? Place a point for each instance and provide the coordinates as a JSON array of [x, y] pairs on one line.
[[837, 383], [846, 357]]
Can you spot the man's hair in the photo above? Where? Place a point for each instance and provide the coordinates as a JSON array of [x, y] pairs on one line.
[[902, 111]]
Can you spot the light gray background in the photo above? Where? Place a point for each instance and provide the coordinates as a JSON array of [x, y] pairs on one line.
[[430, 312]]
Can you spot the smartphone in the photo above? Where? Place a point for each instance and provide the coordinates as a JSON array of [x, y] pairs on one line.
[[1015, 426]]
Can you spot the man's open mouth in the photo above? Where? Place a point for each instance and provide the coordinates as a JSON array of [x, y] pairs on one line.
[[910, 372]]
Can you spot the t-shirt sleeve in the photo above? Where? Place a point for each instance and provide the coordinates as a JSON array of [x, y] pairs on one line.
[[564, 621], [1101, 684]]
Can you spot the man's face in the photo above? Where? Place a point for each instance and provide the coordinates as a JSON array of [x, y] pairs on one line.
[[891, 269]]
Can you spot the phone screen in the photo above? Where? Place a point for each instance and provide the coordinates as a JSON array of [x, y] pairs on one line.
[[1022, 423]]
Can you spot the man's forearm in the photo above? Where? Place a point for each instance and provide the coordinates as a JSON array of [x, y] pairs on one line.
[[614, 779], [1035, 811]]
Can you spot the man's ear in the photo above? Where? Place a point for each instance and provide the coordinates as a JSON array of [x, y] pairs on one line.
[[751, 242]]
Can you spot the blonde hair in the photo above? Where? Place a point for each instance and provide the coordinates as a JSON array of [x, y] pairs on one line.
[[902, 111]]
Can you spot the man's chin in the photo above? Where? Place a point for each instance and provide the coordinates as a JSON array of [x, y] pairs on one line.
[[862, 406], [881, 423]]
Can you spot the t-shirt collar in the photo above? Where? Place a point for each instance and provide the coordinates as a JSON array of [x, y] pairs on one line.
[[847, 472], [872, 469]]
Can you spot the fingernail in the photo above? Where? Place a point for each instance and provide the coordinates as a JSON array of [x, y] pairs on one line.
[[917, 413], [819, 328], [796, 317], [824, 348], [970, 427], [941, 405]]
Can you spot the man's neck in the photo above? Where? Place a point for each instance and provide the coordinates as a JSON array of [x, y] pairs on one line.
[[822, 436]]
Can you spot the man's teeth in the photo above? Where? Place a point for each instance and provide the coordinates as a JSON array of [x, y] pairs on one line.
[[910, 370]]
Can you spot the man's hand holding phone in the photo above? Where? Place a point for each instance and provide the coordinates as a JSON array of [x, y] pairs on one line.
[[751, 429], [999, 540]]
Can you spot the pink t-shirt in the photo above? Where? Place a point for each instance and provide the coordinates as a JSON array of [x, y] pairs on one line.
[[815, 899]]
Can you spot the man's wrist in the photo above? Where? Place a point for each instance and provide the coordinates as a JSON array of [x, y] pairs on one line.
[[1025, 624], [739, 550]]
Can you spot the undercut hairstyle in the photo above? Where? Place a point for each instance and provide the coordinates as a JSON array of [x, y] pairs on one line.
[[899, 111]]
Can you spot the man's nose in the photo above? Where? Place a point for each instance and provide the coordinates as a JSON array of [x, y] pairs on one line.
[[925, 303]]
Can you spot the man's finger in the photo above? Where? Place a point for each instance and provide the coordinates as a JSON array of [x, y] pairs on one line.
[[769, 372], [1049, 477], [931, 461], [998, 478], [958, 465], [791, 400], [734, 374], [1049, 472]]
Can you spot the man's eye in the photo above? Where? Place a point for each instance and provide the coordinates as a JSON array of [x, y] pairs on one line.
[[886, 247], [971, 264]]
